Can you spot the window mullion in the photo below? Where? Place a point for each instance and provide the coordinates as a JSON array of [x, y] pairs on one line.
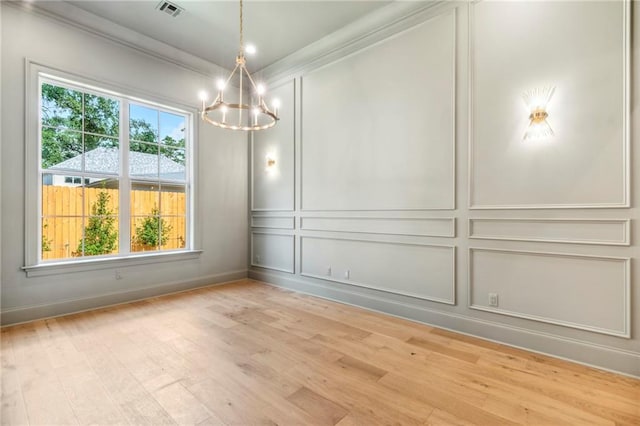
[[76, 230], [125, 183]]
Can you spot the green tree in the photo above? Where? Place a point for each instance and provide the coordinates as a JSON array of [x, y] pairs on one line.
[[153, 231], [100, 234], [66, 113], [46, 244]]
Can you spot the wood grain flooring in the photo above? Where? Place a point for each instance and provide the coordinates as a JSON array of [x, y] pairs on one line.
[[247, 353]]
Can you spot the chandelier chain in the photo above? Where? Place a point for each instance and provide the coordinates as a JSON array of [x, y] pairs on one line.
[[241, 32]]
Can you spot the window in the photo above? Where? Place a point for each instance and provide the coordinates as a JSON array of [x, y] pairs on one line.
[[114, 174]]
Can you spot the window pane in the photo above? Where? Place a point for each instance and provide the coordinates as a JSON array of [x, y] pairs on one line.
[[61, 237], [61, 107], [101, 115], [174, 231], [100, 235], [143, 160], [61, 149], [101, 198], [172, 129], [172, 164], [60, 198], [145, 233], [145, 198], [172, 200], [101, 154], [143, 123]]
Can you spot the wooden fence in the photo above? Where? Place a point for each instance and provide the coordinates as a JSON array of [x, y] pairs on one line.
[[63, 209]]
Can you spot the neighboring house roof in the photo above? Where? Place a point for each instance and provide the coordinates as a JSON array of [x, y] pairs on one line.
[[106, 160]]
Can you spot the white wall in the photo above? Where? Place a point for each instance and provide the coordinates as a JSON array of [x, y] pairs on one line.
[[415, 194], [222, 184]]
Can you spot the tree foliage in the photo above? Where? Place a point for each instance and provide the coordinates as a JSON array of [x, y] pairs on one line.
[[66, 113], [153, 231], [46, 243], [100, 234]]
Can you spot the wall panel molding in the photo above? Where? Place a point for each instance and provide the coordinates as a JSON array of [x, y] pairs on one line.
[[425, 227], [275, 191], [413, 271], [571, 231], [529, 283], [273, 222], [431, 182], [566, 99], [273, 250]]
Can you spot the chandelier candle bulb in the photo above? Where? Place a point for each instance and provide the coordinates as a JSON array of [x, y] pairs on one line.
[[224, 114]]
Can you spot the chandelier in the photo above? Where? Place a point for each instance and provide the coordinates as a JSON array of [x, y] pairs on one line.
[[254, 114]]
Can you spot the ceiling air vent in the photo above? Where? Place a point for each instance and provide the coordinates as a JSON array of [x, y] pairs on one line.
[[169, 8]]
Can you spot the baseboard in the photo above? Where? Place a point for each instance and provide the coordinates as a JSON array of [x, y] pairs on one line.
[[29, 313], [593, 355]]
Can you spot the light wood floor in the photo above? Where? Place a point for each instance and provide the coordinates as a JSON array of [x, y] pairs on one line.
[[250, 354]]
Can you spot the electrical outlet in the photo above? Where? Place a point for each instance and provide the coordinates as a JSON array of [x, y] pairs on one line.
[[258, 258], [328, 270], [493, 299], [118, 275], [347, 274]]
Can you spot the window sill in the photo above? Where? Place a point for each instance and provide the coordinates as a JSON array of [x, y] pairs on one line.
[[89, 265]]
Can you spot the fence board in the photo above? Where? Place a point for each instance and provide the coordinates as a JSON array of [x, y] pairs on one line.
[[63, 208]]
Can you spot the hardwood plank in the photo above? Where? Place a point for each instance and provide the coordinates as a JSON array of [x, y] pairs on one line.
[[251, 354], [181, 405], [44, 401], [323, 410], [13, 411], [356, 367]]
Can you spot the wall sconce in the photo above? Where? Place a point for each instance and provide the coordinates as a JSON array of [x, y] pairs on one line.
[[536, 101], [271, 163]]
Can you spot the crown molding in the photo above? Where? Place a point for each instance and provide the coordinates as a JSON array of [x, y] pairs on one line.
[[369, 29], [74, 17]]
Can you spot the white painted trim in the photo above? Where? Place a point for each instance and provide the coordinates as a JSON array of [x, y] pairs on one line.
[[626, 223], [252, 156], [600, 356], [291, 218], [400, 243], [626, 119], [22, 314], [625, 332], [94, 264], [280, 234], [452, 220], [401, 27]]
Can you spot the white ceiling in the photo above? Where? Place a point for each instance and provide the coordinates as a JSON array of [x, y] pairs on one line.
[[209, 29]]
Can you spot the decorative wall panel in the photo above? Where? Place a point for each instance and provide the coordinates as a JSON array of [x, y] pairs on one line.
[[421, 271], [581, 48], [575, 231], [272, 188], [273, 251], [378, 125], [431, 227], [586, 292]]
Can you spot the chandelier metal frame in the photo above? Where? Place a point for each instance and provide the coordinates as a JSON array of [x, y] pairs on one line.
[[257, 109]]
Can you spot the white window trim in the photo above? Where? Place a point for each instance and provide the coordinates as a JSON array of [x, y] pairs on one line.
[[33, 232]]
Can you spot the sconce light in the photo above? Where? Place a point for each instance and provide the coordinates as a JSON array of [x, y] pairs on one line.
[[536, 101], [271, 163]]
